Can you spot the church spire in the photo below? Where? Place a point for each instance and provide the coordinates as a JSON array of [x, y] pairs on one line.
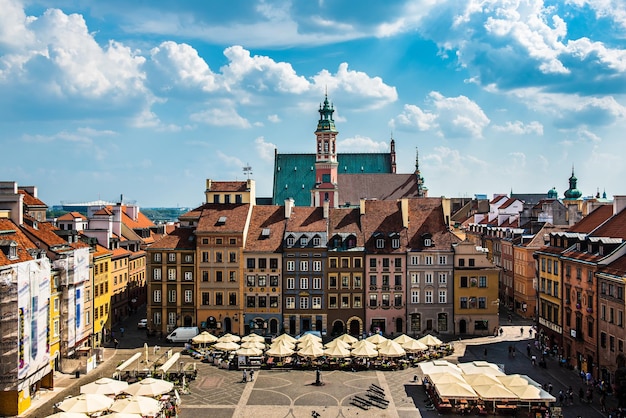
[[422, 191], [573, 193]]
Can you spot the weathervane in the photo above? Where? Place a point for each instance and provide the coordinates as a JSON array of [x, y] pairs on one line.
[[247, 170]]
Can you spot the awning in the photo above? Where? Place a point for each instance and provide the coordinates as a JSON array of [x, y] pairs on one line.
[[128, 362], [169, 363]]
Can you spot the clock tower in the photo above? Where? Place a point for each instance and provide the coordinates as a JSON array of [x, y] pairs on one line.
[[325, 188]]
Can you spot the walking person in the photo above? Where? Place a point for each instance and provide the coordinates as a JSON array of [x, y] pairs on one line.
[[521, 332], [252, 375], [122, 331], [533, 360], [115, 343], [244, 378], [528, 349]]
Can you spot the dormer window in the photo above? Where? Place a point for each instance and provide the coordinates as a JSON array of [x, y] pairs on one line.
[[380, 243], [316, 242], [290, 241], [304, 241], [395, 242], [428, 242]]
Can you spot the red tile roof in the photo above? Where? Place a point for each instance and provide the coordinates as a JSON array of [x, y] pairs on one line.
[[31, 200], [508, 203], [383, 216], [11, 232], [616, 268], [70, 216], [346, 221], [306, 219], [614, 227], [228, 186], [593, 220], [44, 232], [234, 216], [268, 218], [182, 238], [426, 217]]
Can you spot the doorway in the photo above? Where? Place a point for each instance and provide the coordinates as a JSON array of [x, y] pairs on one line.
[[306, 324], [462, 326]]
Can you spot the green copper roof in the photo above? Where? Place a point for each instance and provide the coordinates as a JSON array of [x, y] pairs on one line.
[[573, 192], [326, 122], [294, 174]]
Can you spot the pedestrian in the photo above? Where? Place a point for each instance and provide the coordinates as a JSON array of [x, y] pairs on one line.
[[244, 378], [115, 343], [550, 388], [501, 331], [252, 375], [510, 318], [603, 402], [582, 377], [533, 360], [530, 332], [528, 349], [485, 353], [521, 331], [122, 331], [589, 395], [561, 398]]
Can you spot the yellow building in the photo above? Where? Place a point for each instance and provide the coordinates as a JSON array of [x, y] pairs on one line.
[[476, 282], [101, 294], [119, 286], [54, 321]]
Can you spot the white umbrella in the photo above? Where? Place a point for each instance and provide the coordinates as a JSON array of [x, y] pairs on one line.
[[279, 350], [365, 350], [347, 338], [123, 415], [68, 415], [361, 343], [391, 349], [311, 350], [336, 342], [456, 390], [141, 405], [253, 337], [337, 351], [308, 337], [414, 346], [149, 387], [494, 392], [443, 378], [253, 344], [104, 386], [376, 339], [87, 403], [284, 337], [226, 346], [481, 380], [430, 340], [307, 343], [249, 351], [439, 366], [204, 338], [229, 338], [402, 339]]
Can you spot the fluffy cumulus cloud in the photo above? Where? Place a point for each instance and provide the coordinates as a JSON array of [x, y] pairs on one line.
[[264, 149], [361, 144], [520, 128], [449, 117], [221, 116]]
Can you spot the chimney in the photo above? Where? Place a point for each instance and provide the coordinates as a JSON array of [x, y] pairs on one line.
[[326, 208], [619, 203], [289, 204], [404, 206], [362, 206]]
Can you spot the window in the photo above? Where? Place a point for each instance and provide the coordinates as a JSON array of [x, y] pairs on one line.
[[385, 300], [250, 302], [205, 257], [332, 281], [345, 263], [415, 296], [461, 262], [443, 278], [415, 279], [332, 301], [290, 302], [428, 260], [482, 302], [471, 262], [157, 257], [385, 263], [304, 265], [218, 276], [316, 242], [188, 296], [345, 282], [357, 263], [157, 318], [397, 300], [373, 280], [333, 263], [317, 282], [156, 274], [482, 281], [373, 300], [556, 268], [273, 280], [233, 241], [291, 265], [273, 301], [463, 302], [356, 302], [205, 276], [218, 257], [262, 302], [156, 296], [428, 296], [443, 259], [415, 259], [171, 295], [171, 257], [395, 243], [443, 296], [304, 283], [250, 263], [397, 263], [273, 263], [232, 298], [397, 280], [385, 280], [304, 303], [188, 275], [232, 257], [262, 280], [304, 241], [317, 265], [345, 301], [291, 283], [316, 302], [372, 263], [380, 243], [205, 298], [428, 278], [357, 282], [219, 298], [290, 241], [250, 281]]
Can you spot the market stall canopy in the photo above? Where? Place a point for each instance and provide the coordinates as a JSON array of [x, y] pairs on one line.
[[87, 403], [169, 363], [226, 346], [481, 367], [311, 351], [204, 338], [430, 340], [253, 337], [338, 351], [347, 338], [284, 337], [391, 348], [414, 346], [123, 415], [253, 344], [68, 415], [104, 386], [456, 390], [336, 342], [308, 337], [494, 393], [249, 351], [279, 350], [141, 405], [362, 343], [128, 362], [439, 366], [481, 379], [442, 378], [403, 339], [376, 339], [365, 350], [229, 338], [149, 387], [511, 380], [532, 393]]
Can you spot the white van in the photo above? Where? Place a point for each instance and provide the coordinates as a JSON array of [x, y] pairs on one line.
[[182, 334]]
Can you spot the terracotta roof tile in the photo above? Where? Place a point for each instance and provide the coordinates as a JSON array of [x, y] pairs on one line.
[[228, 186], [121, 252], [508, 203], [593, 220], [234, 217], [306, 219], [383, 186], [426, 217], [182, 238], [269, 219], [346, 221], [70, 216], [11, 232], [44, 232], [616, 268], [383, 217], [31, 200], [614, 227]]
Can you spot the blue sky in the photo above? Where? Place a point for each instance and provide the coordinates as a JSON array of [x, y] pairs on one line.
[[149, 99]]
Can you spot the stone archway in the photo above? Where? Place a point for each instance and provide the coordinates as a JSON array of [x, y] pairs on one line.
[[338, 328], [355, 326]]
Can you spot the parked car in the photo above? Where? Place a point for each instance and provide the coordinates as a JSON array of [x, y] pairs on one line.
[[142, 324]]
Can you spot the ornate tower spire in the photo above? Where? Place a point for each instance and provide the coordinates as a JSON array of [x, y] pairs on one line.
[[573, 193], [325, 187], [422, 191], [392, 154]]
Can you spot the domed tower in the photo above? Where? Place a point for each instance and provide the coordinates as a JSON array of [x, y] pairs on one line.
[[325, 188], [553, 194], [573, 193]]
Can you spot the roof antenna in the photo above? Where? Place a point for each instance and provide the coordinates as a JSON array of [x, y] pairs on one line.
[[247, 170]]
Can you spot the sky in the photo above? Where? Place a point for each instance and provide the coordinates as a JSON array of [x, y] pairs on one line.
[[148, 99]]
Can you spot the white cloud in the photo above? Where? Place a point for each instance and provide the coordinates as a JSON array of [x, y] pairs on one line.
[[264, 149], [273, 118], [520, 128], [221, 116], [361, 144], [230, 161], [181, 64], [414, 116]]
